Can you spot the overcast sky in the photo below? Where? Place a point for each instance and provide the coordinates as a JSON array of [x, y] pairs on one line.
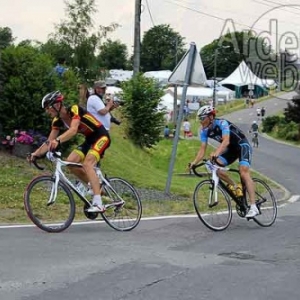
[[197, 21]]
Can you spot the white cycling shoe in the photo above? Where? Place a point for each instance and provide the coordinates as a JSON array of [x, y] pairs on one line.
[[253, 212], [96, 208]]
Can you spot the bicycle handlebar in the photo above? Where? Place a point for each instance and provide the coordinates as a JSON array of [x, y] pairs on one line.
[[213, 162], [49, 155]]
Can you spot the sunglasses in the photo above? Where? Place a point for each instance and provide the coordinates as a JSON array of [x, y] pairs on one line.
[[202, 118]]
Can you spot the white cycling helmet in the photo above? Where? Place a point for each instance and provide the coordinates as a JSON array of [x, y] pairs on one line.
[[206, 110], [254, 122]]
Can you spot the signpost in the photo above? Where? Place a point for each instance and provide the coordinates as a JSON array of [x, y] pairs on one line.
[[189, 70]]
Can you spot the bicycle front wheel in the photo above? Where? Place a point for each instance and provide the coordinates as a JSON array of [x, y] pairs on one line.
[[123, 205], [265, 202], [49, 213], [215, 215]]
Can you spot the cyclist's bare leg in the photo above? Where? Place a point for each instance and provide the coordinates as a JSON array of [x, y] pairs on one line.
[[224, 176], [78, 172], [246, 177], [89, 162]]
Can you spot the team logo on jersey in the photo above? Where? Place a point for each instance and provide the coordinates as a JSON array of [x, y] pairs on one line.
[[100, 143]]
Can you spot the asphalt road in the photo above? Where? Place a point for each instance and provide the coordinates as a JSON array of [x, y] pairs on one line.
[[163, 259], [278, 161]]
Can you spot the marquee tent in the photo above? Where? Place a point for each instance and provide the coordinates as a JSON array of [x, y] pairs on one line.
[[241, 79]]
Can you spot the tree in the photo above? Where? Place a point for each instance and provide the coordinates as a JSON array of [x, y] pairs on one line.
[[291, 113], [144, 121], [26, 76], [113, 55], [229, 50], [6, 37], [161, 49], [58, 50], [78, 32]]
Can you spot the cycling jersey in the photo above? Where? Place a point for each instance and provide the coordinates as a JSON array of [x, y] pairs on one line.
[[222, 127], [238, 147], [89, 125], [97, 138]]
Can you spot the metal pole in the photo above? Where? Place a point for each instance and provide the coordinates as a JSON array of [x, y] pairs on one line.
[[175, 104], [137, 37], [188, 74], [215, 75]]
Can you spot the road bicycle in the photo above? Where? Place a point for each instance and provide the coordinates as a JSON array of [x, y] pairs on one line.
[[212, 200], [49, 201]]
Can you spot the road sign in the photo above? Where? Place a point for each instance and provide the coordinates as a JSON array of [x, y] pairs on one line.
[[198, 75]]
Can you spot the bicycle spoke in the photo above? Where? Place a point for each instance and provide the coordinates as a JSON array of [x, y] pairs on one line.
[[54, 216], [124, 209], [265, 202], [215, 215]]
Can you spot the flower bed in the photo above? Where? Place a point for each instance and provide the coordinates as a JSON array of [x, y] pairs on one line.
[[22, 142]]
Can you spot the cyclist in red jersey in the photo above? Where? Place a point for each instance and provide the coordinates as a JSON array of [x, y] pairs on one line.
[[76, 120]]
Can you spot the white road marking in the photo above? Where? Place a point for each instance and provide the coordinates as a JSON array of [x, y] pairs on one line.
[[292, 199], [101, 221]]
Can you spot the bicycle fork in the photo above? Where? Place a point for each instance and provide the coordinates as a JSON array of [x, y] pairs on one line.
[[54, 188], [213, 193]]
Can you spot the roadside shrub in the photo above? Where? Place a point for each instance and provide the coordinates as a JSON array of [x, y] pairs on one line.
[[269, 123], [288, 131]]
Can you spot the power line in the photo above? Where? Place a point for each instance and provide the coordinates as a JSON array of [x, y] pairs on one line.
[[150, 14], [223, 19]]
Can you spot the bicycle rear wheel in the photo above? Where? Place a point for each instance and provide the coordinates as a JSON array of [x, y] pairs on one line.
[[123, 205], [265, 202], [217, 216], [55, 216]]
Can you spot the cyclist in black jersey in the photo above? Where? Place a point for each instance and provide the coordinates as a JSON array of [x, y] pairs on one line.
[[233, 145], [76, 120]]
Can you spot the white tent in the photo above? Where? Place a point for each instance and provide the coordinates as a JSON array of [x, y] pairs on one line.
[[242, 75], [161, 76], [167, 102], [113, 90], [193, 94]]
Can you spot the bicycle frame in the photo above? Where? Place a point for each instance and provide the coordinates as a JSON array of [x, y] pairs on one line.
[[213, 169], [59, 175]]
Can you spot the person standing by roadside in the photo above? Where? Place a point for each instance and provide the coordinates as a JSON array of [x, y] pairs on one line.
[[186, 128], [258, 112], [97, 107], [263, 112]]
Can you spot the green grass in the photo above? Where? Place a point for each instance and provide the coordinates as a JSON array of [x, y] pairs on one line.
[[147, 169]]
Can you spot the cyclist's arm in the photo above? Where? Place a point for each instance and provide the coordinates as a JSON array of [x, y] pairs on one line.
[[200, 154], [223, 146], [45, 146], [72, 131]]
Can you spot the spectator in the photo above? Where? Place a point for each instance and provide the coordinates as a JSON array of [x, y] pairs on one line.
[[167, 131], [258, 111], [186, 128], [96, 106], [60, 68], [263, 112]]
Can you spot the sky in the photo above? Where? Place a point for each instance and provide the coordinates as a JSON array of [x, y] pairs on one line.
[[197, 21]]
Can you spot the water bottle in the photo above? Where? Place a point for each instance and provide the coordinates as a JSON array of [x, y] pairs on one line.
[[81, 188]]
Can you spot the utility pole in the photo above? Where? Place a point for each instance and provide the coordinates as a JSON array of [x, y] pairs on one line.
[[137, 37], [215, 78]]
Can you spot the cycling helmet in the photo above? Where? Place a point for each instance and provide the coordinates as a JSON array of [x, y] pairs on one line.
[[206, 110], [254, 122], [52, 98]]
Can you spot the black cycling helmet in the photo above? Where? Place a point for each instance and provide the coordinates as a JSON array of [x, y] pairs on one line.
[[51, 98]]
